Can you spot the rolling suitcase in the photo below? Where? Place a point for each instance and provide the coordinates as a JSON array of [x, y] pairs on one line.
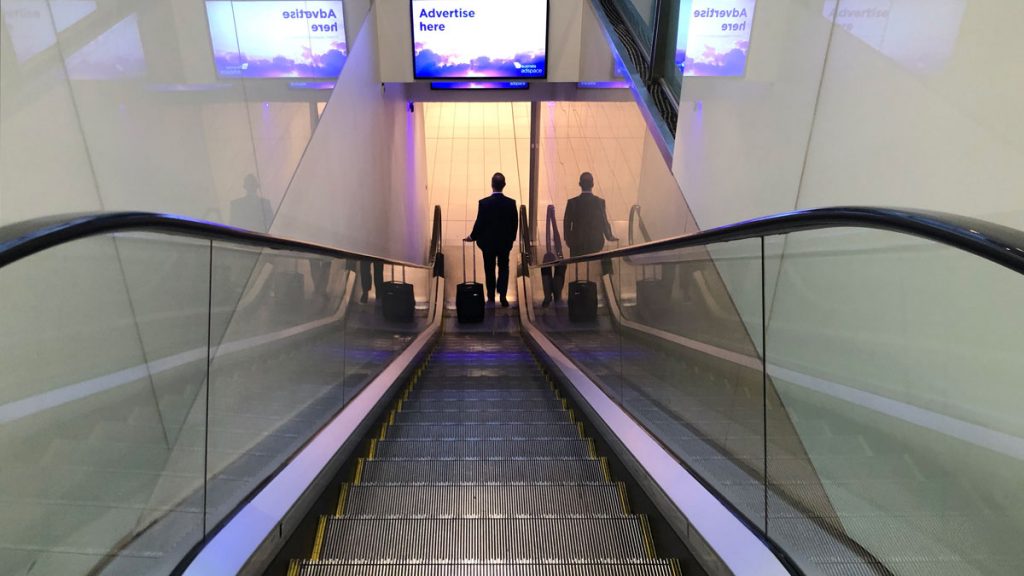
[[399, 299], [582, 298], [469, 296], [652, 294]]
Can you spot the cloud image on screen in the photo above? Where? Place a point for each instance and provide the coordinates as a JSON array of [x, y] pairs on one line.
[[480, 38], [287, 39]]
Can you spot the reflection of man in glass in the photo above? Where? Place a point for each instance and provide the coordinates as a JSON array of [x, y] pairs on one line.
[[251, 211], [586, 222]]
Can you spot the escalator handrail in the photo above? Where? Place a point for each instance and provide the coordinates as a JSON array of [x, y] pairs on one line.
[[435, 236], [634, 216], [995, 242], [23, 239]]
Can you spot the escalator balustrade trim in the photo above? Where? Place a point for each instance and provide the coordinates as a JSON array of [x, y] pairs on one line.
[[482, 469]]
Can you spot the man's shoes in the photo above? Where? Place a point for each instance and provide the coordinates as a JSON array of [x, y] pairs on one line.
[[363, 299], [504, 302], [547, 301], [490, 303]]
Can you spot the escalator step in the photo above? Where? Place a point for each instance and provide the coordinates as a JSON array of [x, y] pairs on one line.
[[480, 416], [485, 449], [485, 395], [548, 402], [556, 471], [485, 539], [485, 500], [565, 430], [637, 568], [482, 383]]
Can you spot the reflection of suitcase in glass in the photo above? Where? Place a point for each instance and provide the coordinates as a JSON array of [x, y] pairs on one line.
[[652, 295], [469, 296], [399, 299], [582, 299]]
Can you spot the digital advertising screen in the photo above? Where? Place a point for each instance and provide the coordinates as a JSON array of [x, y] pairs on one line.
[[713, 38], [479, 85], [485, 39], [287, 39]]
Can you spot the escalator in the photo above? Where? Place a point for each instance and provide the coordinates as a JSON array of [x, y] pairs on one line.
[[481, 469]]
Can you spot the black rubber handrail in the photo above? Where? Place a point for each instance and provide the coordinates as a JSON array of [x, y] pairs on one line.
[[995, 242], [634, 216], [23, 239]]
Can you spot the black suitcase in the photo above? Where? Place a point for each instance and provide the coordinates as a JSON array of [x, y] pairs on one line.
[[582, 299], [652, 295], [469, 296], [399, 299]]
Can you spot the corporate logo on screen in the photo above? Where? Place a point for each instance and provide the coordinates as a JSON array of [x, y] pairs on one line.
[[479, 39], [714, 37], [287, 39]]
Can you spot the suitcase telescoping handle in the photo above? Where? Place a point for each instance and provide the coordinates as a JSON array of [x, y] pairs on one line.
[[393, 273], [586, 266], [464, 242]]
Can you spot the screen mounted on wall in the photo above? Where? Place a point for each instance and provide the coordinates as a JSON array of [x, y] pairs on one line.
[[287, 39], [714, 37], [480, 39]]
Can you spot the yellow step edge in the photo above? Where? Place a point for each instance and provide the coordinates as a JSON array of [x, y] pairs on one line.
[[319, 538], [293, 567], [648, 536], [398, 407], [342, 499], [604, 468], [373, 449], [572, 416], [579, 426], [565, 404], [359, 472], [391, 418], [623, 497], [674, 566], [592, 447], [383, 430]]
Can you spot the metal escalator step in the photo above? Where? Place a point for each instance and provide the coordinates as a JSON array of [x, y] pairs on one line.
[[480, 416], [508, 431], [485, 500], [482, 383], [553, 471], [487, 449], [548, 402], [485, 539], [490, 395], [636, 568]]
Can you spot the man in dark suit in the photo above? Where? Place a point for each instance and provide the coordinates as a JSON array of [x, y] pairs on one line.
[[494, 231], [586, 223], [251, 211]]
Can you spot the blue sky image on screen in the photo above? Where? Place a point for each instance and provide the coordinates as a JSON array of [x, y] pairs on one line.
[[713, 38], [511, 85], [287, 39], [480, 38]]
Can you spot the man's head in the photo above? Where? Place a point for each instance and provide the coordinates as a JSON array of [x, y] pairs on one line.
[[498, 182], [587, 182], [251, 184]]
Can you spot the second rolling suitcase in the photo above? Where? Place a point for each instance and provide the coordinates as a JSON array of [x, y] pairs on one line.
[[399, 299], [582, 298], [469, 296]]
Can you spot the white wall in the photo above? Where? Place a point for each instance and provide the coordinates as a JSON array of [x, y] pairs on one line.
[[565, 29], [360, 170]]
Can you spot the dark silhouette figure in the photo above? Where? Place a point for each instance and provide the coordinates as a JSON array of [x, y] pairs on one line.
[[251, 211], [366, 279], [494, 231], [586, 223]]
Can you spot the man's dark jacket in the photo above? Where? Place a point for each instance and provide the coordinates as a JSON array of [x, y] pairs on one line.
[[497, 223]]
